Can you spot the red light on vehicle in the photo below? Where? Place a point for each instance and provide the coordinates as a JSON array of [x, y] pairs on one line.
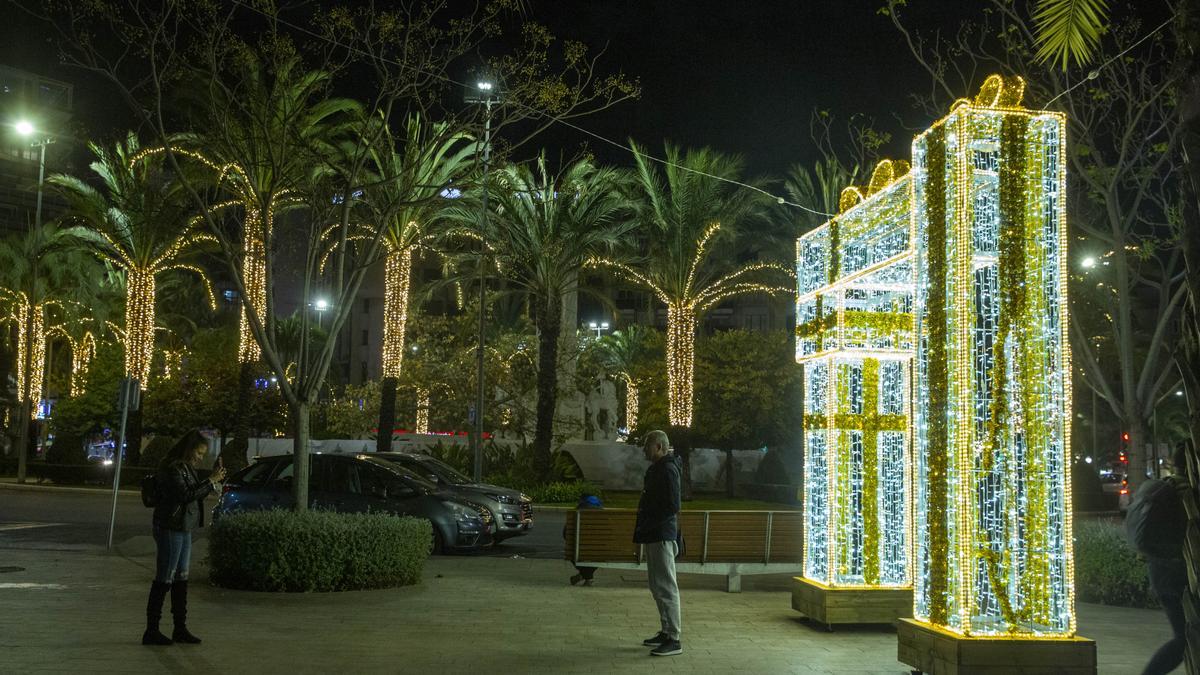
[[1125, 436], [1124, 491], [226, 489]]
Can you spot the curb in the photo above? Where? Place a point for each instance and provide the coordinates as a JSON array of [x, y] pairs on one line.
[[39, 487]]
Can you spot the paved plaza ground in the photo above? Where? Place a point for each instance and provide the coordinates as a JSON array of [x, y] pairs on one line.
[[77, 609]]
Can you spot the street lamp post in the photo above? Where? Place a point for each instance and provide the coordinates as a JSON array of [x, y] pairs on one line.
[[27, 129], [598, 327], [484, 93]]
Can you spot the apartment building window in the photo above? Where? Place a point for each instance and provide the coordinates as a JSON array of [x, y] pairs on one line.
[[365, 337], [366, 305], [363, 371]]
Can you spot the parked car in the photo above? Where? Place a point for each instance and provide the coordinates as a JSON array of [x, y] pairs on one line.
[[357, 484], [512, 511]]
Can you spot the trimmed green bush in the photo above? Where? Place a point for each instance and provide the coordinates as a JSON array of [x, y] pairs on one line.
[[317, 551], [561, 492], [1107, 568]]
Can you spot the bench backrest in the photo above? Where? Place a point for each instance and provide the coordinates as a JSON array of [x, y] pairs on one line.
[[709, 536]]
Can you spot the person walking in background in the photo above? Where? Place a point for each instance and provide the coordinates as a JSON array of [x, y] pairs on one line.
[[657, 527], [1156, 524], [584, 573], [178, 510]]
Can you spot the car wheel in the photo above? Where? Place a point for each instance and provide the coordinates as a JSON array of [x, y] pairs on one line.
[[438, 544]]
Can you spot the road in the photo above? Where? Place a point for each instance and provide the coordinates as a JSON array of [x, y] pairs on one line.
[[62, 520]]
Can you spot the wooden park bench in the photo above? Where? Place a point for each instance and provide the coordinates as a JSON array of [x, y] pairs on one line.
[[729, 543]]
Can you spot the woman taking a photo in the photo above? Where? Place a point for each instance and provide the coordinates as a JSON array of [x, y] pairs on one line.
[[178, 510]]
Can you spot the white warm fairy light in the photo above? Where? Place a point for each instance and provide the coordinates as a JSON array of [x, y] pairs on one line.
[[993, 388], [854, 340]]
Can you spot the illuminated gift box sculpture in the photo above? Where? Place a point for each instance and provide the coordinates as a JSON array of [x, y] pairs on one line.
[[991, 432], [855, 341]]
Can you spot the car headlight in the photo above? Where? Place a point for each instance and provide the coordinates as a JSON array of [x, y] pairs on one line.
[[503, 499], [467, 512]]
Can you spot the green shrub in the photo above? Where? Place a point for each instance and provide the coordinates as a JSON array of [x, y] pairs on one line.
[[561, 492], [1107, 568], [317, 551]]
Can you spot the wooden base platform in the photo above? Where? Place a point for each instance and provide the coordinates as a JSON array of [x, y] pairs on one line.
[[840, 605], [932, 650]]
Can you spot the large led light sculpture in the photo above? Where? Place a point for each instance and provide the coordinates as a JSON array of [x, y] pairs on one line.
[[993, 558], [855, 342]]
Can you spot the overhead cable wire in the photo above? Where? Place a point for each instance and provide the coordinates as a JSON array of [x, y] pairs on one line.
[[1096, 71]]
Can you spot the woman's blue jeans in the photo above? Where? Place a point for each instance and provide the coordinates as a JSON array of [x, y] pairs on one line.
[[174, 555]]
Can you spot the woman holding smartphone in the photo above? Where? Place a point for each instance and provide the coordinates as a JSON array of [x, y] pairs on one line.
[[178, 511]]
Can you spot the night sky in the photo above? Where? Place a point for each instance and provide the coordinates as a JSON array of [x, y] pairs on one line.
[[741, 77]]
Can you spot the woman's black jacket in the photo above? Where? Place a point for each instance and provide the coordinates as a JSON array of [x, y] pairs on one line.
[[181, 496]]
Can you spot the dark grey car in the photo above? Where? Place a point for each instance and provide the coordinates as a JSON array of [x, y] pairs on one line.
[[512, 512], [357, 484]]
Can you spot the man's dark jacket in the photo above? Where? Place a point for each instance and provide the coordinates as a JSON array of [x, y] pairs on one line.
[[658, 508], [181, 496]]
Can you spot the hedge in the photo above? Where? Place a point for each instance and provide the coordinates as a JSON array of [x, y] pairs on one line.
[[1107, 568], [317, 551]]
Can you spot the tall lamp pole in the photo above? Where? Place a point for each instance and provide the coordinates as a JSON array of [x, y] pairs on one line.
[[26, 129], [484, 93]]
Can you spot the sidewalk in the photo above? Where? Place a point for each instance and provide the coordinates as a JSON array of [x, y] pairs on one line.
[[83, 612]]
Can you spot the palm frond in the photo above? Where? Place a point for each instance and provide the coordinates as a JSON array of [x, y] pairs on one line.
[[1069, 30]]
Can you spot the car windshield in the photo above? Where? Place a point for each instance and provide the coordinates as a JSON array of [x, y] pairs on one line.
[[447, 472], [404, 473]]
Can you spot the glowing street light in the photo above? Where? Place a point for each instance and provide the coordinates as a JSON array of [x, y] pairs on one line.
[[1088, 263], [598, 327], [321, 305], [24, 127]]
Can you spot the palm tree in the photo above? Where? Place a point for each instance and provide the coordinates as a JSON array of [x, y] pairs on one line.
[[541, 229], [406, 197], [38, 271], [620, 354], [820, 187], [689, 211], [262, 140], [140, 223]]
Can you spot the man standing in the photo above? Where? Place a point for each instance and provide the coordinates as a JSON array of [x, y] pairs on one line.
[[1156, 523], [658, 528]]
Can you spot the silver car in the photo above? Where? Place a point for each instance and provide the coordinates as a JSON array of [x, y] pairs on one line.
[[512, 511]]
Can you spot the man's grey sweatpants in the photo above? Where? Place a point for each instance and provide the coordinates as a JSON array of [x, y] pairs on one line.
[[660, 563]]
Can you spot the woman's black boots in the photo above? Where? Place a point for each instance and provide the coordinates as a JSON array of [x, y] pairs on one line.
[[179, 611], [153, 636]]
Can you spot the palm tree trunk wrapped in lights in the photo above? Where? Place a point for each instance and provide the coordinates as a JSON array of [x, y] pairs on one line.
[[422, 424], [681, 366], [139, 323], [31, 352], [254, 263], [398, 275]]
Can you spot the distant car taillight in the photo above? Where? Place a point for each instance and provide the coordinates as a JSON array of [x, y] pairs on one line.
[[226, 489], [1124, 491]]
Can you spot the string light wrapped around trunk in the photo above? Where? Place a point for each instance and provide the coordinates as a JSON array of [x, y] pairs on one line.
[[31, 340], [254, 279], [397, 283], [681, 355], [422, 425], [140, 291]]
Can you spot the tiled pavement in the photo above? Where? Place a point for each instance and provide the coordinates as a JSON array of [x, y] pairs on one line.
[[83, 613]]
